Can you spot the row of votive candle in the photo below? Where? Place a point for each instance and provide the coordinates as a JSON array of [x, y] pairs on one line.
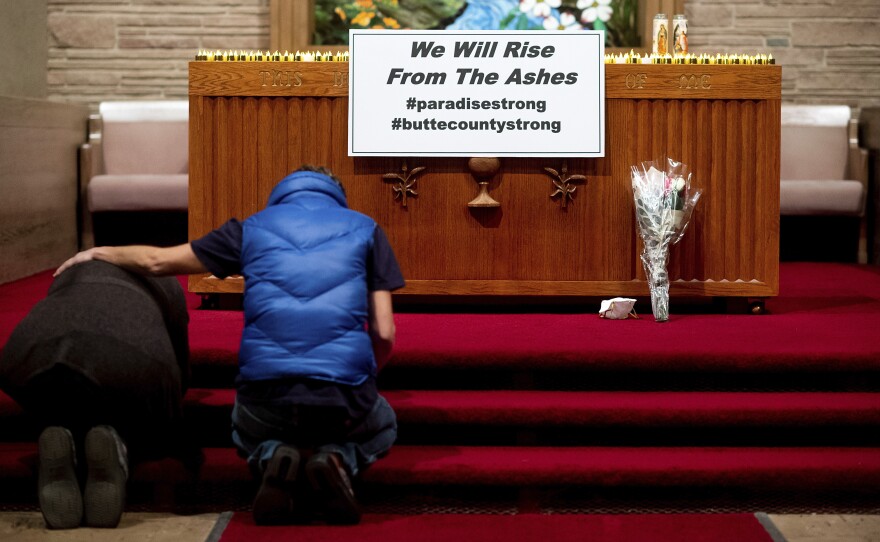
[[688, 58], [259, 56]]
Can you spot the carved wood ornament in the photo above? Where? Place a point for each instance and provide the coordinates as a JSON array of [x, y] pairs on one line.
[[483, 169], [564, 183], [405, 182]]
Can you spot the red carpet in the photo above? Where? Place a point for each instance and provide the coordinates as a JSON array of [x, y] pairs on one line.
[[785, 401], [826, 315], [756, 468], [531, 408], [825, 318], [517, 528]]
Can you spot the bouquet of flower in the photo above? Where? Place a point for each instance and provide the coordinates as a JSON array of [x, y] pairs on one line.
[[616, 17], [664, 201]]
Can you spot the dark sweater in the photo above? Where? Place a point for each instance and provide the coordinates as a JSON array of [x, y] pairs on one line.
[[104, 346]]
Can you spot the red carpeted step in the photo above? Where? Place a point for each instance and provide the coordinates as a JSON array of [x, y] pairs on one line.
[[17, 460], [9, 409], [541, 408], [700, 343], [824, 320], [634, 409], [797, 341], [214, 337], [757, 468], [815, 469], [538, 408]]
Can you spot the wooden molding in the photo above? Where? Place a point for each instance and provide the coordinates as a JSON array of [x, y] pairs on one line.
[[622, 81]]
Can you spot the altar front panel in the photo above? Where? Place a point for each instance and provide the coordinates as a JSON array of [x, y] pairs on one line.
[[247, 135]]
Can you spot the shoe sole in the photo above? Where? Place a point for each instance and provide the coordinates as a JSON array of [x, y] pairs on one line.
[[59, 494], [274, 502], [104, 494], [340, 504]]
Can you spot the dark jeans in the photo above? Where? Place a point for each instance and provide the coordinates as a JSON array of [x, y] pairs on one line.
[[258, 430]]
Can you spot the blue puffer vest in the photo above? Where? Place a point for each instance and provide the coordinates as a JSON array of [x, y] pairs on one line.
[[305, 301]]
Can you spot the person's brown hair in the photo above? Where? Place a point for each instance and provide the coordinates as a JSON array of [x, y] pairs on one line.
[[323, 171]]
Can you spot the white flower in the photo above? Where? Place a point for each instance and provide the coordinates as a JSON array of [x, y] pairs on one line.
[[595, 9], [566, 21], [678, 185], [539, 8]]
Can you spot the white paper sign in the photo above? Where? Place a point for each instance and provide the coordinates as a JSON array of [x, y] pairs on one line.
[[476, 93]]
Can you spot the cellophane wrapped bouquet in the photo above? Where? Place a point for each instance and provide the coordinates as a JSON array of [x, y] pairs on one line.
[[664, 201]]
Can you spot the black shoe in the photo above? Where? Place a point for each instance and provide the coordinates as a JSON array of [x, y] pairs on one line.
[[331, 481], [275, 502], [104, 494], [58, 488]]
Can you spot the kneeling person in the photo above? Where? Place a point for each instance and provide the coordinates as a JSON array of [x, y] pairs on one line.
[[318, 327], [101, 360]]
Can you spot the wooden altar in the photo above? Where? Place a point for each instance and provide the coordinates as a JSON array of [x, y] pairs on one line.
[[252, 123]]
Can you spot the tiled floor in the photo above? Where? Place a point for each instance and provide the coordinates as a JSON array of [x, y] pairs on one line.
[[828, 528], [28, 527]]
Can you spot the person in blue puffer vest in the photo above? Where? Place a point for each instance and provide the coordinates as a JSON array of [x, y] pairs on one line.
[[319, 325]]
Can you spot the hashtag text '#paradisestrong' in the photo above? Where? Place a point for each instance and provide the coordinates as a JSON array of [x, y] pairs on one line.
[[473, 104]]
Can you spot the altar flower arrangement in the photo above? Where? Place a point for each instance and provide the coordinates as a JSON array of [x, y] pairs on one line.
[[333, 18], [618, 18], [664, 201]]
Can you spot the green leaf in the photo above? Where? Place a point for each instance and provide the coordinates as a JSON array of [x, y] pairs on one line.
[[508, 18], [623, 25]]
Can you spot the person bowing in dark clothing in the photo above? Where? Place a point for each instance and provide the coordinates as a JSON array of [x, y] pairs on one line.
[[101, 362]]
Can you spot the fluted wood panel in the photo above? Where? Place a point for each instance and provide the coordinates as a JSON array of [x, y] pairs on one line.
[[241, 145]]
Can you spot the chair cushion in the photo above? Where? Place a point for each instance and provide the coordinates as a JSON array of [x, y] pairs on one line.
[[138, 193], [821, 197], [814, 142], [149, 137]]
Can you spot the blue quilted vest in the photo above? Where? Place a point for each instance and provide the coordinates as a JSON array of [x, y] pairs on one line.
[[305, 300]]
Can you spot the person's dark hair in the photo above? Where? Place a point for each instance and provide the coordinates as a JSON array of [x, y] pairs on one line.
[[323, 171]]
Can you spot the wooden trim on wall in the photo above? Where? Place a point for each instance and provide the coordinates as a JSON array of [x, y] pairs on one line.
[[38, 175], [330, 79], [292, 23]]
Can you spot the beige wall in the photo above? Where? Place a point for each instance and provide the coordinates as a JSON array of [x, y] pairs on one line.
[[829, 49], [139, 49], [23, 46], [106, 49], [38, 149]]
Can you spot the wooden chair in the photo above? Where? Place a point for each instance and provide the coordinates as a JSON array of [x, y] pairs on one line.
[[824, 171], [134, 171]]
